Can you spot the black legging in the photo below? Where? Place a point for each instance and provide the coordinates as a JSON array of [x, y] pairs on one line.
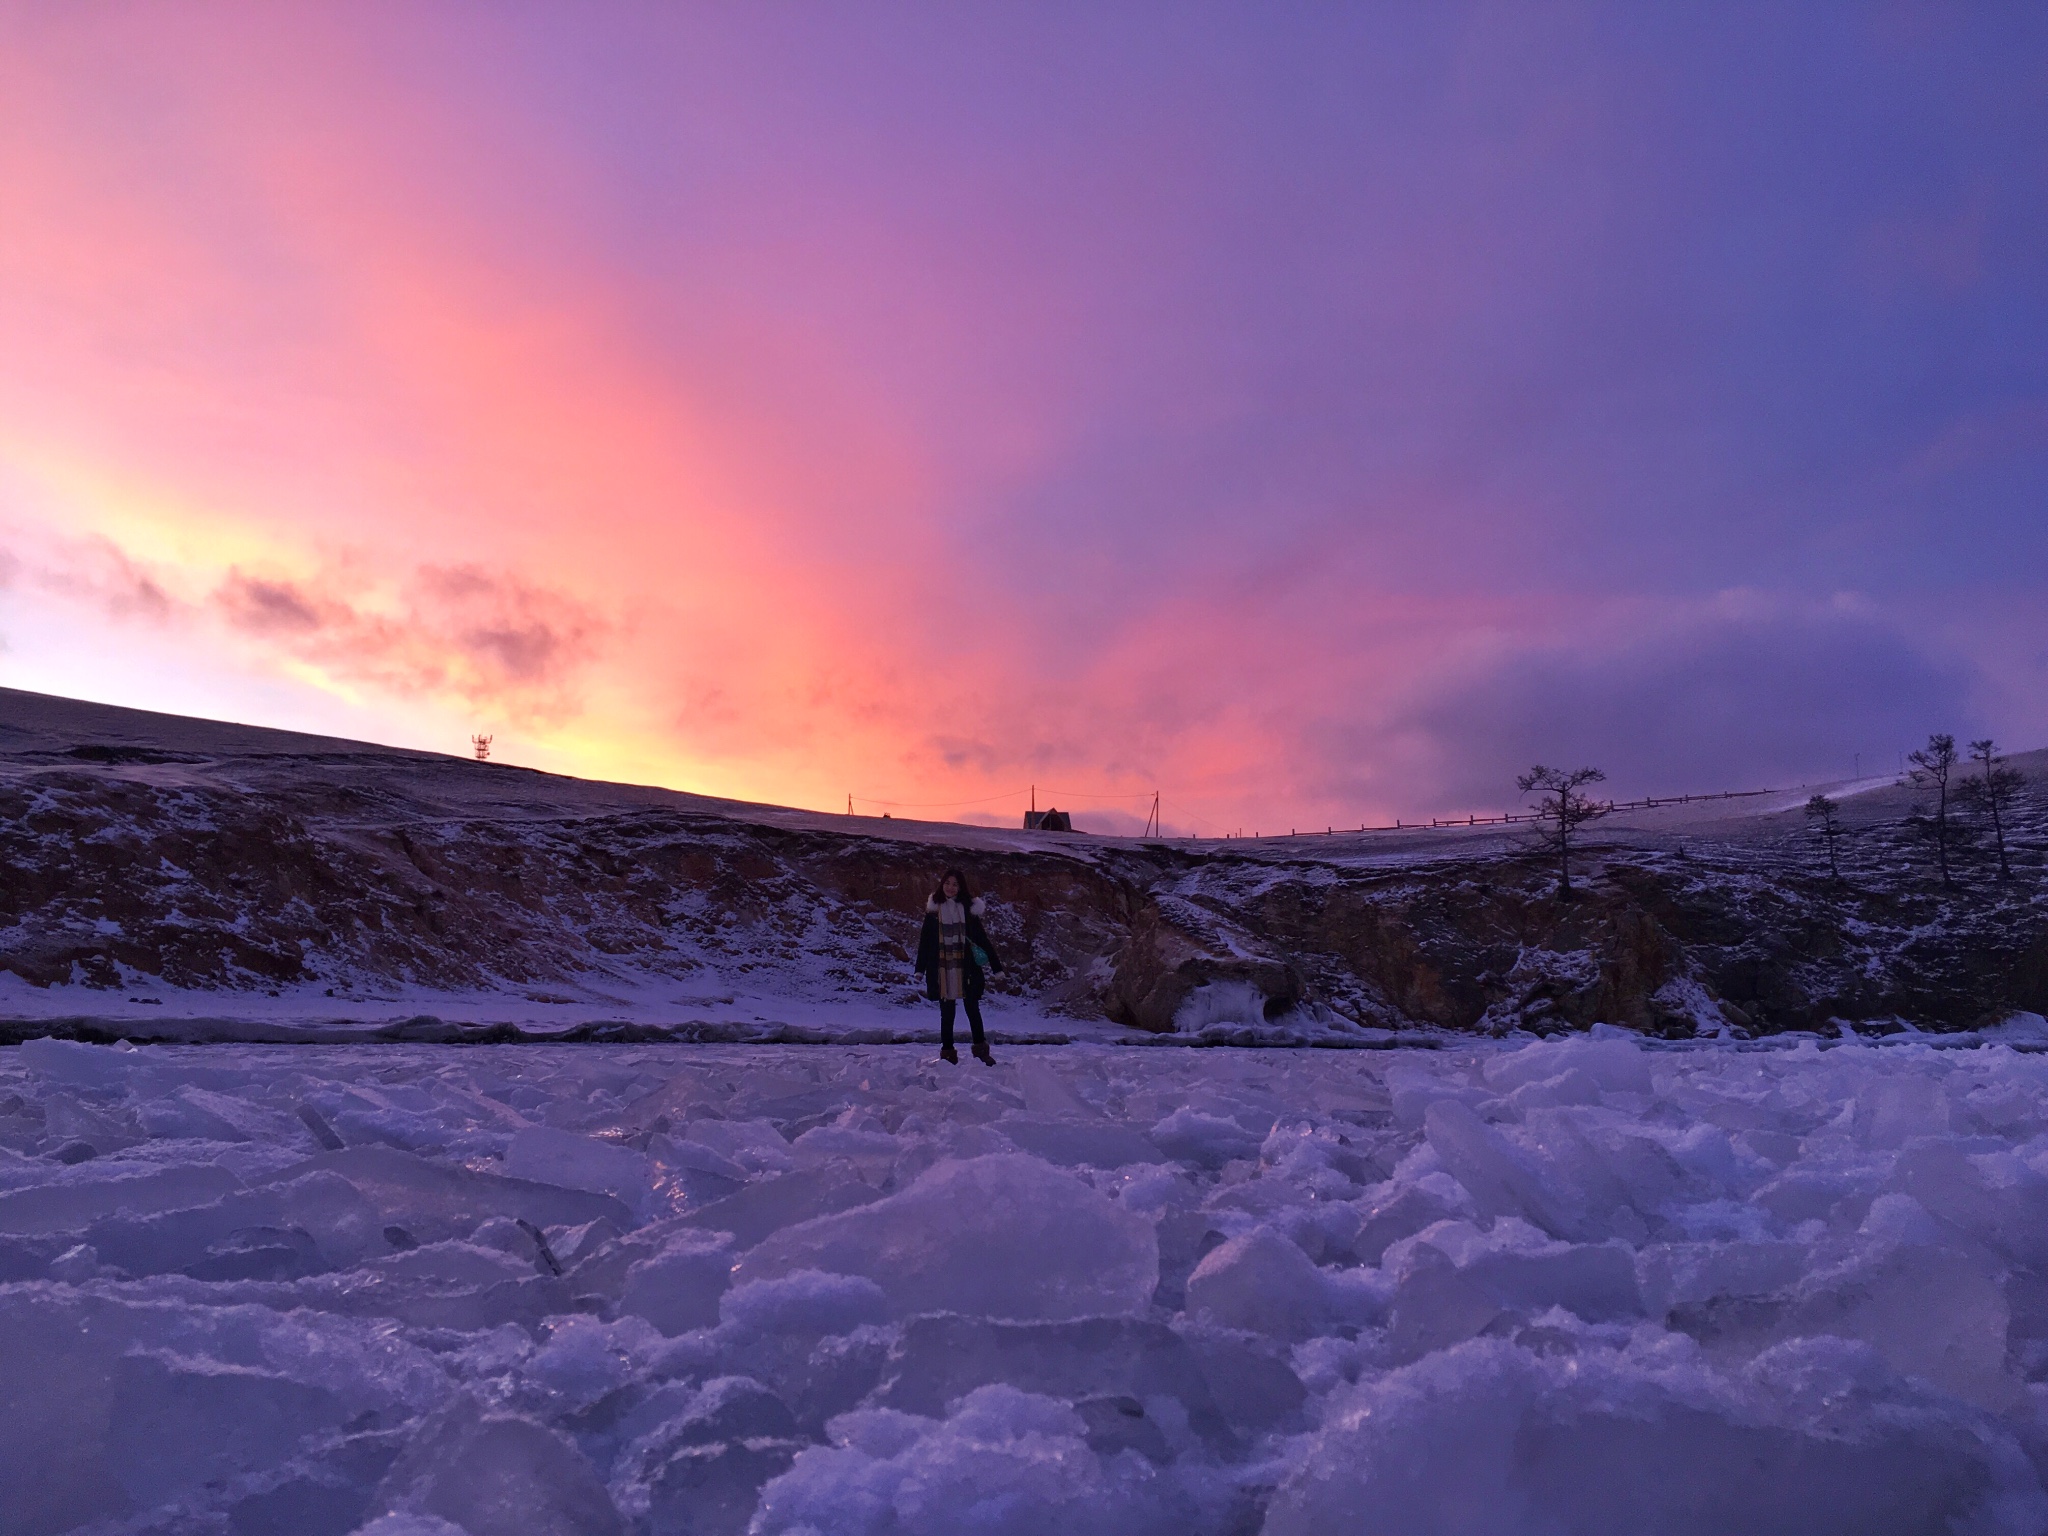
[[973, 1022]]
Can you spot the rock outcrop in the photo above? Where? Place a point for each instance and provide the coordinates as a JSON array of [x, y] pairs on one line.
[[217, 858]]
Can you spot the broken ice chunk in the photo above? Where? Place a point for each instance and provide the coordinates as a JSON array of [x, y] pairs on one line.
[[678, 1288], [807, 1301], [1003, 1236], [1489, 1438], [1262, 1283], [1612, 1065], [548, 1156], [176, 1421], [1207, 1141], [1091, 1143], [1893, 1109], [1002, 1461], [1502, 1179], [75, 1205], [496, 1475]]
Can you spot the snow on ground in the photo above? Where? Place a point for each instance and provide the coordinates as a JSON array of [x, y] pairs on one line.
[[147, 1011], [1576, 1286]]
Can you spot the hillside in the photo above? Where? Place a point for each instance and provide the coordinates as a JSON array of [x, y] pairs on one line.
[[178, 878]]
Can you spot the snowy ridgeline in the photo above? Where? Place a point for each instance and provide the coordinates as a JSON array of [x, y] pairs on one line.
[[1574, 1287]]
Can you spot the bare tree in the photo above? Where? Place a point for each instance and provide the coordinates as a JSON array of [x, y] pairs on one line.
[[1935, 764], [1992, 794], [1561, 809], [1824, 817]]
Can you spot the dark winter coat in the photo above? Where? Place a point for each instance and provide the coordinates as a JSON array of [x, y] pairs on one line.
[[977, 938]]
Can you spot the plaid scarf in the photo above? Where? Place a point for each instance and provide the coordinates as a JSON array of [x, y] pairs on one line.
[[952, 949]]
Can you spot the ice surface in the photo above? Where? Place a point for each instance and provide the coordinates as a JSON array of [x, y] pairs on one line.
[[678, 1288], [547, 1156], [1813, 1439], [1001, 1463], [1581, 1287], [1001, 1236], [1261, 1283]]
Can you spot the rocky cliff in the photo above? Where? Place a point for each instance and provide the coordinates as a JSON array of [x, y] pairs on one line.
[[172, 856]]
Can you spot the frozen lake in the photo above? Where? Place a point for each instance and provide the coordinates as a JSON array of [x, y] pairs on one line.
[[1566, 1287]]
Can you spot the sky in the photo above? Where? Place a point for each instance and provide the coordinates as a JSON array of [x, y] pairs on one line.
[[1313, 414]]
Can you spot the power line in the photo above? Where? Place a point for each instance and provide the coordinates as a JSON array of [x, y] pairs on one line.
[[944, 805], [934, 805]]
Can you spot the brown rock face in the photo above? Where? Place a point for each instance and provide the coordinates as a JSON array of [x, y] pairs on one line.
[[233, 860], [1172, 946]]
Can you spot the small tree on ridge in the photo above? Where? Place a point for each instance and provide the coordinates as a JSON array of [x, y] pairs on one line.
[[1824, 817], [1561, 809], [1935, 764], [1992, 794]]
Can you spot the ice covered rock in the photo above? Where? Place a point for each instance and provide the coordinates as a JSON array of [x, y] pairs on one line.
[[1001, 1236], [2020, 1028]]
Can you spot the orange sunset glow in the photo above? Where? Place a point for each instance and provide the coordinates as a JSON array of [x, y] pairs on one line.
[[789, 404]]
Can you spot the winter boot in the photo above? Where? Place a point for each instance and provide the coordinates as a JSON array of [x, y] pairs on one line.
[[981, 1055], [947, 1053]]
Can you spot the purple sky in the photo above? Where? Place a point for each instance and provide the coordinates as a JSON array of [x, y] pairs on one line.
[[1314, 413]]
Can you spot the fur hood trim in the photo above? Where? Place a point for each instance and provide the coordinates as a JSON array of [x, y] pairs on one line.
[[931, 906]]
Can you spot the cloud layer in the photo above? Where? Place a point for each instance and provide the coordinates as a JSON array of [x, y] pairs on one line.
[[1313, 418]]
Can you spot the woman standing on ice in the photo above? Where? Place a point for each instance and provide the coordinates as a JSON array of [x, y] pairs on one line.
[[952, 953]]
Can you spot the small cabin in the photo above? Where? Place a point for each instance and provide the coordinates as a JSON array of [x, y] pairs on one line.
[[1048, 820]]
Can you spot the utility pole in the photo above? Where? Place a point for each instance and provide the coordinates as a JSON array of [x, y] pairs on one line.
[[483, 748], [1152, 821]]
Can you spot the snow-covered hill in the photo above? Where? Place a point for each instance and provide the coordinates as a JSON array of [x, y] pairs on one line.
[[171, 878]]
